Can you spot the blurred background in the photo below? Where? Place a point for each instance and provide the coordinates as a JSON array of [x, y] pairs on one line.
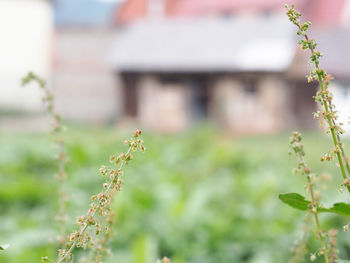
[[216, 86]]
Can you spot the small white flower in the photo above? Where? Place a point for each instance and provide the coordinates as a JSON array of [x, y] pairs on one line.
[[312, 257]]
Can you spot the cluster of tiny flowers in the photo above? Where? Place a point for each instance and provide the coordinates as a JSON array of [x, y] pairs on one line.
[[45, 259], [164, 260], [320, 252], [295, 144], [297, 147], [332, 243], [328, 114], [313, 257], [330, 249], [99, 246], [62, 158], [98, 220]]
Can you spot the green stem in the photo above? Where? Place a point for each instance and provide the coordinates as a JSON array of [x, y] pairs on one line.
[[83, 229], [341, 146], [330, 124], [319, 230], [57, 133], [329, 119], [314, 205]]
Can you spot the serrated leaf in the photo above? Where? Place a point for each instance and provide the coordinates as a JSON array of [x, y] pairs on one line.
[[299, 202], [295, 200], [342, 261], [4, 247]]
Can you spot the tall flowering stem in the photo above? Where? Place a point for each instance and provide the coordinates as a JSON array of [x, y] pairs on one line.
[[323, 96], [57, 130], [333, 251], [303, 169], [99, 249], [100, 207], [300, 249]]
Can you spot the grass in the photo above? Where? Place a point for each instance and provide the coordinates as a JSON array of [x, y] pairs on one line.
[[196, 197]]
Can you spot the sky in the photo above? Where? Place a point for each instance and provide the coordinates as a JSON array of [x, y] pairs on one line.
[[84, 12]]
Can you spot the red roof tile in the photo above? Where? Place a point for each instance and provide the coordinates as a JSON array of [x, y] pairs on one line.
[[319, 11]]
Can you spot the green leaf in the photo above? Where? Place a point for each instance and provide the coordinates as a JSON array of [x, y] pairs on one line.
[[4, 247], [299, 202], [295, 200], [342, 261], [340, 208]]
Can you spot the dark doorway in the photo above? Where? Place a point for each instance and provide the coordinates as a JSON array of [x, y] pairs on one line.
[[129, 95], [199, 98]]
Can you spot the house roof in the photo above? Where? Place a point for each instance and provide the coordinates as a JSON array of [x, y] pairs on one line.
[[204, 45], [334, 43], [199, 7], [84, 12], [327, 12], [322, 12]]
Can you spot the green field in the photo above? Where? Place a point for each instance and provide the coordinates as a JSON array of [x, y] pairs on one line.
[[199, 197]]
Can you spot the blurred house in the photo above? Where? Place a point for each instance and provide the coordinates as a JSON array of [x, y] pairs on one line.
[[25, 45], [83, 80], [169, 64], [226, 70], [232, 62]]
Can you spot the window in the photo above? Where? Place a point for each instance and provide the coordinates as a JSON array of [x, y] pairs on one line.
[[250, 87]]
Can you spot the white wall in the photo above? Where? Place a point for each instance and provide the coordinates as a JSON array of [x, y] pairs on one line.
[[341, 100], [26, 32]]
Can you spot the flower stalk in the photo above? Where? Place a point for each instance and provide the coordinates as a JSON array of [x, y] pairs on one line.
[[303, 169], [62, 158], [323, 96], [100, 207]]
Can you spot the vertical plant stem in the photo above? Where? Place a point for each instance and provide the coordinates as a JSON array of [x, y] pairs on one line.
[[314, 208], [341, 146], [318, 225], [57, 129], [110, 187], [335, 138]]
